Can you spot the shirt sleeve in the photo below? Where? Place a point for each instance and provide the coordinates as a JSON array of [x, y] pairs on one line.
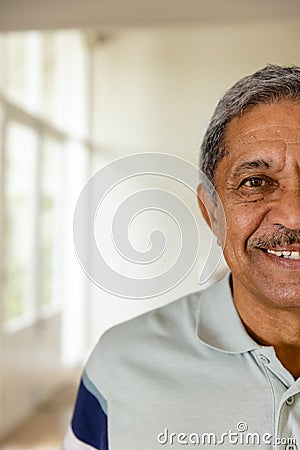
[[88, 430]]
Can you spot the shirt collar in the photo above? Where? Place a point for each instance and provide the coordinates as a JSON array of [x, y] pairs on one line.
[[219, 324]]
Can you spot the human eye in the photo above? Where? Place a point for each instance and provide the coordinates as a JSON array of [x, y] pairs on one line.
[[255, 182], [256, 186]]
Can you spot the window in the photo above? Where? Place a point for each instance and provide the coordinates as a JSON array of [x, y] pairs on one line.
[[18, 224], [23, 69], [43, 96], [51, 206]]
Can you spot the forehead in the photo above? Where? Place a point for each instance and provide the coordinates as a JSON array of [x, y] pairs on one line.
[[271, 122], [267, 133]]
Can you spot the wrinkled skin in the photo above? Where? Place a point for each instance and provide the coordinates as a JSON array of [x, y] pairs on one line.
[[261, 199]]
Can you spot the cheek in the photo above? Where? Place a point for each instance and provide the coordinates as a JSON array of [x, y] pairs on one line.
[[242, 221]]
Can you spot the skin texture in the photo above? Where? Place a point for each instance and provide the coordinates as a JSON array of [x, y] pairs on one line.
[[258, 183]]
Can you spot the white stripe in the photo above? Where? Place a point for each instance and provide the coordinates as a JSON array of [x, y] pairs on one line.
[[92, 389], [71, 442]]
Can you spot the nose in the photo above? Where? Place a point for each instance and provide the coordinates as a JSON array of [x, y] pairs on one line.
[[286, 209]]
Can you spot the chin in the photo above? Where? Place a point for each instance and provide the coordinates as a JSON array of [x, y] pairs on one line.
[[283, 296], [269, 288]]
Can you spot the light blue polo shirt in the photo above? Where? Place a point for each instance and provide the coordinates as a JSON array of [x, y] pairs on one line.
[[186, 375]]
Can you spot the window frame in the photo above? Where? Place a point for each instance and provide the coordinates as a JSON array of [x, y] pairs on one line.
[[43, 130], [44, 127]]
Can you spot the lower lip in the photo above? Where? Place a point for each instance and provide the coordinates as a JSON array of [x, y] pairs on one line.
[[283, 262]]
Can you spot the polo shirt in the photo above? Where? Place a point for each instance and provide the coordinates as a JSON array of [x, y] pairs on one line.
[[186, 375]]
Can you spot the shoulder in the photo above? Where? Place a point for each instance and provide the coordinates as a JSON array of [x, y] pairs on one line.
[[128, 340], [158, 321], [151, 325], [133, 345]]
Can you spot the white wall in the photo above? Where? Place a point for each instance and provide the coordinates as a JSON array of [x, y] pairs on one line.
[[155, 89]]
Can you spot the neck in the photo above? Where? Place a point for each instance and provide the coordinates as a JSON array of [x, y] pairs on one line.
[[270, 324]]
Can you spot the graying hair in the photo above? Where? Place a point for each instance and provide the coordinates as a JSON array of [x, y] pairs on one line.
[[271, 84]]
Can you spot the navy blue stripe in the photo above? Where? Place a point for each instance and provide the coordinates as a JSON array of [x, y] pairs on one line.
[[93, 390], [89, 422]]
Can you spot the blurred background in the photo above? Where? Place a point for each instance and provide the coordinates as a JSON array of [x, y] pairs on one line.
[[81, 84]]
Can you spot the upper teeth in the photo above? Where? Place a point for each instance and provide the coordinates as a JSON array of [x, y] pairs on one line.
[[285, 254]]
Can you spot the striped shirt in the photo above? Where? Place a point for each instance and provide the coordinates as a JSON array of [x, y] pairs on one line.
[[185, 375]]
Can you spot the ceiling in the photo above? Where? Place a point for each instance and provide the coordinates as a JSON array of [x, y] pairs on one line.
[[43, 14]]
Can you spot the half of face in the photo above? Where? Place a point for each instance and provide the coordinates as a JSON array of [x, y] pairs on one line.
[[258, 184]]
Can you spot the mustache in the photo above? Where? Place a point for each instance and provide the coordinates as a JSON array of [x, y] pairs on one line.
[[279, 238]]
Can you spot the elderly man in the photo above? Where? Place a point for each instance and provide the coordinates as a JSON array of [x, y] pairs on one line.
[[221, 366]]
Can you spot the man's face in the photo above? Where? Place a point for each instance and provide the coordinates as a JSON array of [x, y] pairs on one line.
[[258, 182]]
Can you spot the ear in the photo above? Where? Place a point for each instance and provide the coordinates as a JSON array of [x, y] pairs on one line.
[[208, 209]]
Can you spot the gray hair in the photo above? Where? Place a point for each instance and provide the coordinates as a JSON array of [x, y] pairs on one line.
[[271, 84]]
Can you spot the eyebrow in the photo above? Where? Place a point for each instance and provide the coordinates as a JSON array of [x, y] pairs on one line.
[[249, 165]]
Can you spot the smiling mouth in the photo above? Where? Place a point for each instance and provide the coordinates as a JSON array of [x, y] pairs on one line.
[[286, 254]]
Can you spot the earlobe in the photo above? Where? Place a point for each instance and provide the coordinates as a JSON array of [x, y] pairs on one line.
[[208, 209]]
